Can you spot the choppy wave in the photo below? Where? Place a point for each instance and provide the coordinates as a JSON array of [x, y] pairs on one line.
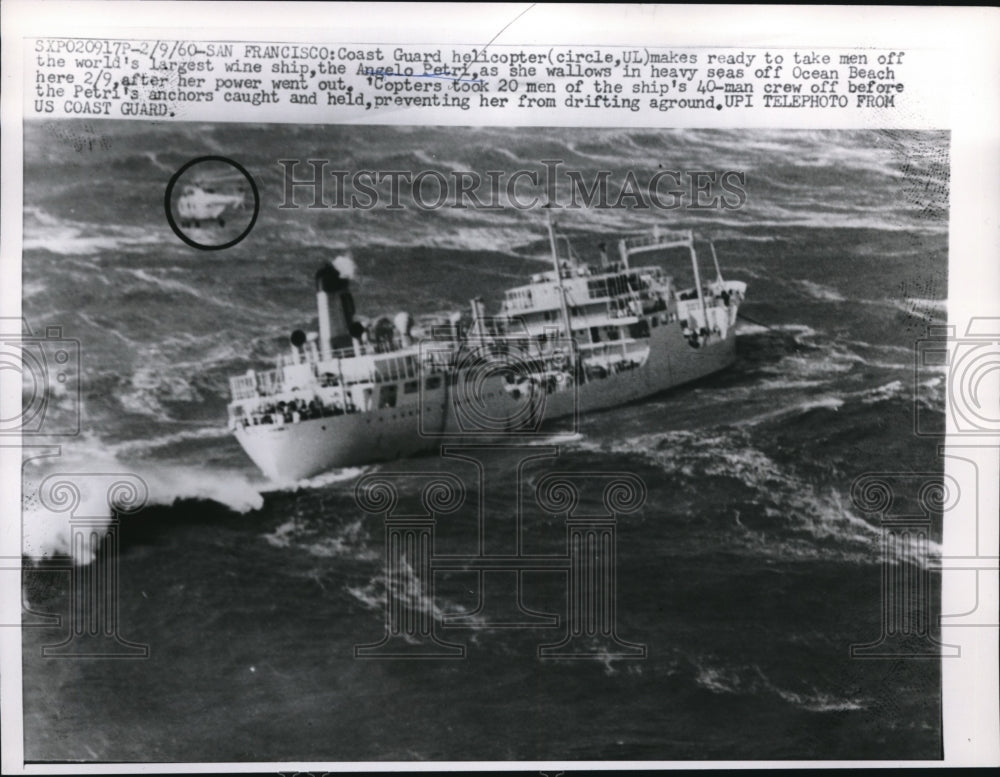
[[347, 540], [411, 594], [165, 483], [44, 231], [800, 513]]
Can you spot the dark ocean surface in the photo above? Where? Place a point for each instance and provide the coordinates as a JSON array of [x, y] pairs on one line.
[[747, 574]]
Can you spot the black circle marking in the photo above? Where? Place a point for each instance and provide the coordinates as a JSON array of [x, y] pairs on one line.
[[170, 216]]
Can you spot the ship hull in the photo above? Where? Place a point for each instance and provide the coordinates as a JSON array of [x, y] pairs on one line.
[[291, 452]]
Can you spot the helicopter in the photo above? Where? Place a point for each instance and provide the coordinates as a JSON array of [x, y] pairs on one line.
[[208, 199]]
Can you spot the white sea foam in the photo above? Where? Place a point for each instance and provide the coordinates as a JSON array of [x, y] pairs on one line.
[[804, 511], [407, 590], [42, 230], [169, 284], [882, 393], [821, 292], [31, 289], [799, 408], [46, 531], [199, 433], [328, 478], [751, 680], [350, 540], [919, 307]]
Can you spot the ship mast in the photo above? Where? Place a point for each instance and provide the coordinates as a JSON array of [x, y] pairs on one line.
[[697, 282], [558, 270]]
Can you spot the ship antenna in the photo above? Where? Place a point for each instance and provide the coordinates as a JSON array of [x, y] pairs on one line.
[[558, 270], [718, 272]]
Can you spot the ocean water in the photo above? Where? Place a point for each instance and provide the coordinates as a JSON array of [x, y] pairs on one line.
[[747, 573]]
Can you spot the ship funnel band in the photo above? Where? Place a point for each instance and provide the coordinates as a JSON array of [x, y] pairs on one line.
[[329, 279], [297, 338]]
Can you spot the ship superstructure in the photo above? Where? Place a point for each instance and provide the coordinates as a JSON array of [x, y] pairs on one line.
[[575, 339]]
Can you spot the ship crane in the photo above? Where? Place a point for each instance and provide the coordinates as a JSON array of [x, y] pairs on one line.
[[661, 240]]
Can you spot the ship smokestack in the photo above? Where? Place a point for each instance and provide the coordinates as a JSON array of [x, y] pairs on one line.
[[297, 340], [603, 248], [404, 323], [335, 307]]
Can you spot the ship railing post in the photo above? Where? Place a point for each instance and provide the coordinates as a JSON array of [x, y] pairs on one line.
[[906, 616], [94, 502], [409, 610], [591, 610]]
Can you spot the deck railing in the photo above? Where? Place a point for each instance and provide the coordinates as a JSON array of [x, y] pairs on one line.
[[658, 238]]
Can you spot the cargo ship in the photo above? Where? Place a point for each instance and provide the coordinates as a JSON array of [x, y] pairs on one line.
[[575, 339]]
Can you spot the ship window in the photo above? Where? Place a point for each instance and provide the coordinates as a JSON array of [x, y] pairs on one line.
[[387, 396], [639, 329], [410, 387], [432, 382], [597, 289]]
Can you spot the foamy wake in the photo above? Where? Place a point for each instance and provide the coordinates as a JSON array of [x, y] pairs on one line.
[[328, 478]]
